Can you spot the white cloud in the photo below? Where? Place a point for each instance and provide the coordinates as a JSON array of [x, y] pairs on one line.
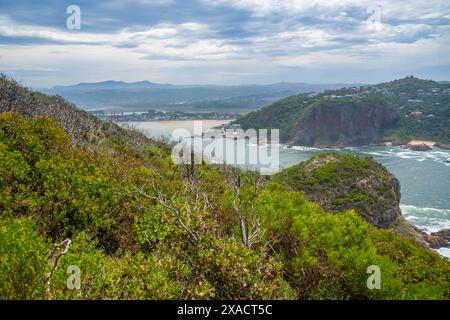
[[377, 56], [264, 7], [195, 52], [412, 9], [9, 29]]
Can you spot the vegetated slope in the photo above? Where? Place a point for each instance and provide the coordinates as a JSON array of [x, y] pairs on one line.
[[84, 129], [339, 182], [396, 111], [142, 227]]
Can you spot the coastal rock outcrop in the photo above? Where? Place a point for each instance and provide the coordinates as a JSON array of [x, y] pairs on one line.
[[443, 146], [357, 116], [439, 239], [420, 145], [433, 240], [340, 182]]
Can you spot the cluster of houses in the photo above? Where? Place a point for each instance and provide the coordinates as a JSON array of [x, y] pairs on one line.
[[433, 92], [355, 92], [361, 92], [157, 115], [419, 115]]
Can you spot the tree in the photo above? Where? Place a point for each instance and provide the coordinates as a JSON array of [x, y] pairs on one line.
[[244, 196]]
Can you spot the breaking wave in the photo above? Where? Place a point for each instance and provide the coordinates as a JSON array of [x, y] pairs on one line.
[[420, 156], [430, 219]]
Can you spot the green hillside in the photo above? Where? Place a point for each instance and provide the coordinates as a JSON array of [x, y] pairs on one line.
[[397, 111], [143, 228]]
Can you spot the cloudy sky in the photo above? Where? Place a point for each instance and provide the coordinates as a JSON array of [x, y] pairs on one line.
[[225, 41]]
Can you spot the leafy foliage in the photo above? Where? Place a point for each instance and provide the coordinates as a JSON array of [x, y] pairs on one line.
[[342, 182], [23, 257], [131, 217]]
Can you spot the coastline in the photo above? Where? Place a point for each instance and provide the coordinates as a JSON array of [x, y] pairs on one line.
[[407, 145]]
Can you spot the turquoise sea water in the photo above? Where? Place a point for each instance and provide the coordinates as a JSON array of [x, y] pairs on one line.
[[424, 176]]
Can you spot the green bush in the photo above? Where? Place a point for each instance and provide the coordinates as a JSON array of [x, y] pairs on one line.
[[233, 271], [128, 246], [23, 259], [120, 276], [327, 255]]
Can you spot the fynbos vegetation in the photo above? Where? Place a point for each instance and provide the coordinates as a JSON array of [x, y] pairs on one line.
[[141, 227]]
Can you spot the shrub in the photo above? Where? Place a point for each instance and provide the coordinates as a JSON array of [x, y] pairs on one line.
[[118, 276], [325, 255], [233, 271], [23, 259]]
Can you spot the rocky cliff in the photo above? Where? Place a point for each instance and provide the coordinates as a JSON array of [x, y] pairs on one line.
[[343, 123], [327, 120]]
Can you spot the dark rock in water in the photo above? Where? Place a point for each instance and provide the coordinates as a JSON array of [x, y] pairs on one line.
[[440, 239], [436, 242], [444, 233], [397, 143], [443, 146], [419, 147]]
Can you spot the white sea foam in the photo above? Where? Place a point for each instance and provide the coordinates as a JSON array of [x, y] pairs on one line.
[[429, 219], [420, 156], [444, 252], [378, 154], [399, 152], [302, 148], [410, 207]]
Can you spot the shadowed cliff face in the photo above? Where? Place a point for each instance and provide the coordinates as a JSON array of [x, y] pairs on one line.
[[341, 124]]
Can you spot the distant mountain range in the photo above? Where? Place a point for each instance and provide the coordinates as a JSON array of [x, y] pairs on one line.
[[111, 85], [143, 95]]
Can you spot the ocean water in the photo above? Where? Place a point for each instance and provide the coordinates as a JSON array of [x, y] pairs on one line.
[[424, 175]]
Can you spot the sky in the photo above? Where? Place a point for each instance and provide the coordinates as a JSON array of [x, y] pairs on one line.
[[224, 41]]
